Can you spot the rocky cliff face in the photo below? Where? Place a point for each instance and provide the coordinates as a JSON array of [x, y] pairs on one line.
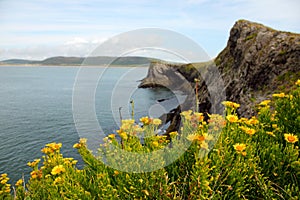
[[256, 61]]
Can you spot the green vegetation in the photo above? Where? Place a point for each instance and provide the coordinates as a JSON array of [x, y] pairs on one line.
[[229, 158], [249, 37]]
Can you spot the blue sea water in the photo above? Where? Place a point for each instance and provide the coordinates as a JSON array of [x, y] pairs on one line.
[[36, 109]]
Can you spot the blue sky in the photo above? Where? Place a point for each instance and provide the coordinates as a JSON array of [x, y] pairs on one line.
[[36, 29]]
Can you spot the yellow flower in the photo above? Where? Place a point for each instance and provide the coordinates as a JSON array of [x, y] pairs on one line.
[[280, 95], [198, 116], [156, 122], [193, 137], [265, 103], [270, 133], [239, 147], [232, 118], [77, 146], [58, 180], [155, 144], [123, 135], [230, 104], [34, 174], [145, 120], [187, 114], [82, 141], [250, 131], [298, 82], [252, 121], [19, 182], [58, 169], [173, 134], [111, 136], [34, 163], [290, 138], [54, 146]]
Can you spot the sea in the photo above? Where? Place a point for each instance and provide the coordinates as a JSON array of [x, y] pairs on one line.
[[44, 104]]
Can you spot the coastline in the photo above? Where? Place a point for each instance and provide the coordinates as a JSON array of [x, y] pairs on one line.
[[75, 66]]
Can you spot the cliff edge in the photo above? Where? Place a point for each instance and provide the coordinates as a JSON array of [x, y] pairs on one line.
[[256, 61]]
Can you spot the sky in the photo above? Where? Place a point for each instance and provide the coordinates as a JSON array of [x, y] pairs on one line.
[[37, 29]]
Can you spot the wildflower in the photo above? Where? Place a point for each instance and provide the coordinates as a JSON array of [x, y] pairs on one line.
[[156, 122], [54, 146], [145, 120], [111, 136], [252, 121], [116, 172], [58, 169], [244, 153], [34, 163], [265, 103], [250, 131], [155, 144], [193, 137], [187, 114], [19, 182], [173, 134], [290, 138], [123, 135], [47, 150], [232, 118], [270, 133], [239, 147], [34, 174], [58, 180], [298, 82], [230, 104], [77, 146], [274, 126], [82, 141], [198, 117], [280, 95]]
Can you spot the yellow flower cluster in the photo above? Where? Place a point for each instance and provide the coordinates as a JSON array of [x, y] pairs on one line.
[[230, 104], [51, 148], [19, 183], [82, 142], [298, 82], [247, 130], [146, 121], [34, 163], [280, 95], [264, 103], [58, 169], [4, 186], [36, 174]]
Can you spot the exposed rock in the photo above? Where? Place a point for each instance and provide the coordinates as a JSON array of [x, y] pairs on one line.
[[254, 59]]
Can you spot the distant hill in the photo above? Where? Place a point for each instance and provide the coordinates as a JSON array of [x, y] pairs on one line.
[[71, 61]]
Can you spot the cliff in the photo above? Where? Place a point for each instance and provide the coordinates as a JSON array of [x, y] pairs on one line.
[[256, 61]]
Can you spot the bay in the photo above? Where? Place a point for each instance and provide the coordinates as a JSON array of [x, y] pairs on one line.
[[36, 109]]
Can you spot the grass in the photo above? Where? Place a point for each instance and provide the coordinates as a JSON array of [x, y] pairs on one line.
[[226, 158]]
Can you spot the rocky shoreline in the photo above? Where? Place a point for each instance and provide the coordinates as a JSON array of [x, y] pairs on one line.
[[256, 61]]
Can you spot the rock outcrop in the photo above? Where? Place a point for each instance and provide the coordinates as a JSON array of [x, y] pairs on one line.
[[255, 62]]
